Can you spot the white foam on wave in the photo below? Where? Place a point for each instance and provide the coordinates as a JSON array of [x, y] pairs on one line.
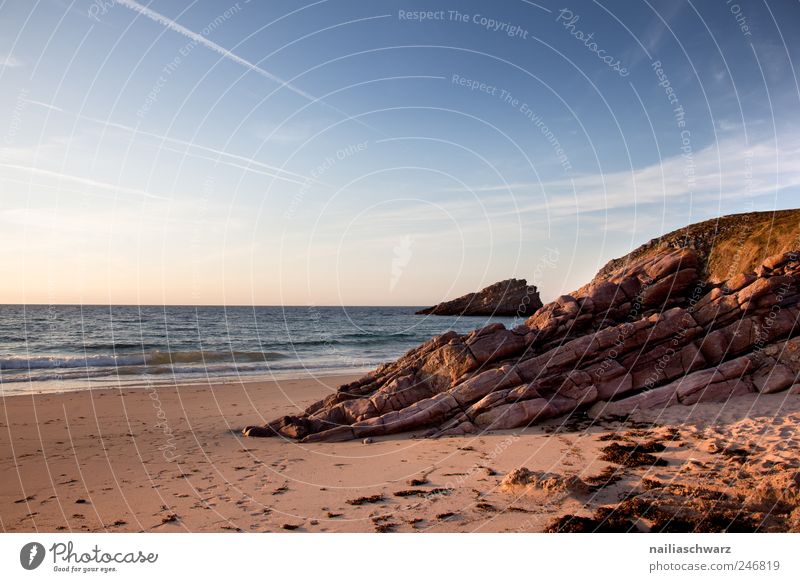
[[149, 359]]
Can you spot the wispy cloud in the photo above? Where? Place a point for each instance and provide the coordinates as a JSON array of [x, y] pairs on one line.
[[296, 132], [729, 125], [115, 188], [728, 170], [7, 62], [223, 157], [774, 59], [724, 176], [653, 34], [661, 24]]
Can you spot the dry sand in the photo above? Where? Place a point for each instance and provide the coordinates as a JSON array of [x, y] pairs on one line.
[[172, 460]]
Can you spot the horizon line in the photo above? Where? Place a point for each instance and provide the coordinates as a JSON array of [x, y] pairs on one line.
[[185, 305]]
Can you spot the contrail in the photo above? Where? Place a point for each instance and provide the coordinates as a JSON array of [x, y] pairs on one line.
[[42, 104], [200, 39], [85, 181], [272, 171]]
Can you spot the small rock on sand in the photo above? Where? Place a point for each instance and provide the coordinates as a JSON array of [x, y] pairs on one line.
[[524, 478]]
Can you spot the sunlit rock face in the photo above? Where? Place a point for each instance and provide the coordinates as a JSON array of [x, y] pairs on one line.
[[654, 329]]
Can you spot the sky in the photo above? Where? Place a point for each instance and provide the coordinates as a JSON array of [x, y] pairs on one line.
[[376, 153]]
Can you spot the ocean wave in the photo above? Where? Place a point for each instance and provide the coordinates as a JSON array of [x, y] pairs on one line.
[[315, 342], [212, 371], [357, 340], [151, 358], [381, 336]]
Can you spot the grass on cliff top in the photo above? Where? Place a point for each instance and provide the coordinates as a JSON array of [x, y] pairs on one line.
[[728, 245]]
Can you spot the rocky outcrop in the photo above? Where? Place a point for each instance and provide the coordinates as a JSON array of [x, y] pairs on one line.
[[727, 245], [652, 332], [512, 297]]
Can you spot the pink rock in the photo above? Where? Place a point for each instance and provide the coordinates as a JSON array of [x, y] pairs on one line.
[[671, 286], [497, 345], [484, 383], [775, 378], [776, 261], [512, 297], [447, 364], [718, 392], [605, 294], [719, 308], [739, 282], [673, 262], [513, 415], [644, 333], [762, 286], [652, 399]]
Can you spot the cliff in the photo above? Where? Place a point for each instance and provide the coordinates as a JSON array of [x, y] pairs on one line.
[[703, 314], [727, 245]]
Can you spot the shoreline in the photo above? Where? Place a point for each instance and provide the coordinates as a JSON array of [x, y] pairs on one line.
[[142, 382], [122, 460]]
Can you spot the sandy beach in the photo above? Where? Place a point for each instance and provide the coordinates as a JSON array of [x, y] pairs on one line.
[[172, 459]]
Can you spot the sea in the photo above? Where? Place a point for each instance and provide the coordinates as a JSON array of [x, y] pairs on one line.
[[58, 348]]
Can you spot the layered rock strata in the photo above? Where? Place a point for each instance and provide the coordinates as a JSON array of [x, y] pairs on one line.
[[653, 332]]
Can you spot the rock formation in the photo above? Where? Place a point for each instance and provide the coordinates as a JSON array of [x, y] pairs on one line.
[[651, 330], [512, 297]]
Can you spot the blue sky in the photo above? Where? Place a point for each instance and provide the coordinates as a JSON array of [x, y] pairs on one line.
[[342, 152]]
